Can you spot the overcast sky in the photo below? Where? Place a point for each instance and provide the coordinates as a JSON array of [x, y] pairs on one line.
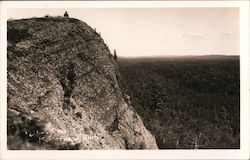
[[159, 31]]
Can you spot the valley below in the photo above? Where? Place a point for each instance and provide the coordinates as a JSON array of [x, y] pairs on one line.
[[190, 102]]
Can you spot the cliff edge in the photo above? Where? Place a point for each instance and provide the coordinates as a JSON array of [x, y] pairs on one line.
[[63, 90]]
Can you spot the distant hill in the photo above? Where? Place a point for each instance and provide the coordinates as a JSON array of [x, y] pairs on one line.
[[183, 57], [132, 60]]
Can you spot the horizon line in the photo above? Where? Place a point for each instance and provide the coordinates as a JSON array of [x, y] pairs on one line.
[[188, 55]]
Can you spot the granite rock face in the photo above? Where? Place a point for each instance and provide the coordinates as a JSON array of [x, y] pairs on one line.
[[63, 90]]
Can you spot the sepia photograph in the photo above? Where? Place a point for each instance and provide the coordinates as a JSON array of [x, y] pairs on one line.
[[124, 78]]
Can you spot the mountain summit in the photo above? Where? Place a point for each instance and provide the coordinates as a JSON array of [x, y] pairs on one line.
[[63, 90]]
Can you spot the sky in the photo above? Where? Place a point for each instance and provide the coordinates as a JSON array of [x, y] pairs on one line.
[[137, 32]]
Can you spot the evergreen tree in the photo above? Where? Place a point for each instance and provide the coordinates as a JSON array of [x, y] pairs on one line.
[[115, 56], [225, 121]]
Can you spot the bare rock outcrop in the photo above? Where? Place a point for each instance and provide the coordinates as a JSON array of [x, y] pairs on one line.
[[63, 90]]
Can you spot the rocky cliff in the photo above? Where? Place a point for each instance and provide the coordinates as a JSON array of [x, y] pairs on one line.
[[63, 90]]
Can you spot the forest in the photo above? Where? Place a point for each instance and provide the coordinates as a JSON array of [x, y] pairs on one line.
[[189, 102]]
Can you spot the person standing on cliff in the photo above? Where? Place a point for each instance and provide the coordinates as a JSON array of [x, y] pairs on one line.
[[66, 15]]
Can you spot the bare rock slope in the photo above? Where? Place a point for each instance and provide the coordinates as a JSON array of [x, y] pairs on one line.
[[63, 90]]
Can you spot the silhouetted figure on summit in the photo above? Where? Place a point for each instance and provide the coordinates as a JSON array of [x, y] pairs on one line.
[[66, 15]]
